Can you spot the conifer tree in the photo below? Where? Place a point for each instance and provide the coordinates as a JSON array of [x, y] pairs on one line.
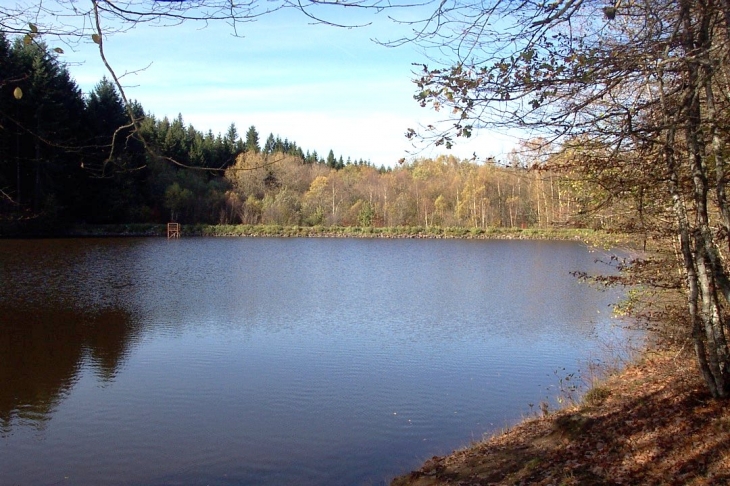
[[252, 140], [331, 160], [231, 138], [270, 145], [42, 110]]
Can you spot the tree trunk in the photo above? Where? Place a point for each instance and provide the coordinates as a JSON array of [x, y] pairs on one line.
[[704, 251]]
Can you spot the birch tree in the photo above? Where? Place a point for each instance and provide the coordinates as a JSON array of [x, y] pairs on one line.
[[637, 91]]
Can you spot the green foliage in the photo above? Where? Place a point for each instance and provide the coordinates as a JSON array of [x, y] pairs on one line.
[[366, 215], [252, 230], [178, 201], [252, 140], [49, 113]]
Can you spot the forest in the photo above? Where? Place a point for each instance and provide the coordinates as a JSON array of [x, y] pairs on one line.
[[67, 157]]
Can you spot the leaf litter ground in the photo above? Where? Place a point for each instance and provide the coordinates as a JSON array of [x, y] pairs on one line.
[[654, 423]]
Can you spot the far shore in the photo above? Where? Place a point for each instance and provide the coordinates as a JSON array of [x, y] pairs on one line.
[[589, 236]]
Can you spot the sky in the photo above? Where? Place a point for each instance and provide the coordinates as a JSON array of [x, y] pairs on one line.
[[321, 86]]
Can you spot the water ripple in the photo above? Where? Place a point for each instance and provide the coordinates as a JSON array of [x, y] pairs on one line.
[[266, 361]]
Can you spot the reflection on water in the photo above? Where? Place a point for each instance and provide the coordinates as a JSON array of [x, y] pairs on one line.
[[59, 311], [42, 350], [276, 361]]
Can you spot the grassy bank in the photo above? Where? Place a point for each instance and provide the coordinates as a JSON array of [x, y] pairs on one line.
[[595, 238], [652, 423], [389, 232]]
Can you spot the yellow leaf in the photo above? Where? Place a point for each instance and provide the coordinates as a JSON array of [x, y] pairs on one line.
[[18, 93]]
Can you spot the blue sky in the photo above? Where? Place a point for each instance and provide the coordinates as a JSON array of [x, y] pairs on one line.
[[321, 86]]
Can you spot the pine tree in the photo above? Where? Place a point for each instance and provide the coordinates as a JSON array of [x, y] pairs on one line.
[[114, 185], [270, 145], [252, 140], [42, 110], [331, 160], [231, 138]]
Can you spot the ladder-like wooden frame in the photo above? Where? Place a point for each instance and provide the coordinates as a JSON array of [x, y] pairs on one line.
[[173, 230]]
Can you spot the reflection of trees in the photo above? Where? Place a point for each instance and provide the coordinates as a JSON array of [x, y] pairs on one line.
[[42, 351], [107, 339]]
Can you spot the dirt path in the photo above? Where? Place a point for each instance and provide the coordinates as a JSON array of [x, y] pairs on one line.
[[652, 424]]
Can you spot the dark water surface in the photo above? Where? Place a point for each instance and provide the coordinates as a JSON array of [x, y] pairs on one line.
[[277, 361]]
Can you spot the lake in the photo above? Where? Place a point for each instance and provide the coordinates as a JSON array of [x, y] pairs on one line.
[[247, 361]]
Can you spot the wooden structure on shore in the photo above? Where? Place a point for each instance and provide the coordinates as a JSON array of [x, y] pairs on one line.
[[173, 230]]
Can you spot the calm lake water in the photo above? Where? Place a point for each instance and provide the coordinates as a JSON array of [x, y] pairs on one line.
[[278, 361]]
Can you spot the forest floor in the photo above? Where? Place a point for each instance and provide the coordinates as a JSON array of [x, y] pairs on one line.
[[653, 423]]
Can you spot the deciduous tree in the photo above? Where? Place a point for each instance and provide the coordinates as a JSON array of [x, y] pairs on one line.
[[635, 94]]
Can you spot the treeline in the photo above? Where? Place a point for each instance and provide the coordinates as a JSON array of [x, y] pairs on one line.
[[280, 189], [67, 158]]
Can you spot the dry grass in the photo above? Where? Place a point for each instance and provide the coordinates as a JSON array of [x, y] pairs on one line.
[[654, 423]]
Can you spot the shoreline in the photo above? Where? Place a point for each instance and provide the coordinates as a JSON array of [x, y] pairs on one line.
[[591, 237], [651, 423]]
